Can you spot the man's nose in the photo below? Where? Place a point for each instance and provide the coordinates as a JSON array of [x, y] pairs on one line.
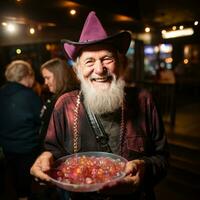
[[99, 68]]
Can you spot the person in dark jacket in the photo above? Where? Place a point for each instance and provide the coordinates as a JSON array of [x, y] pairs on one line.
[[128, 118], [19, 124]]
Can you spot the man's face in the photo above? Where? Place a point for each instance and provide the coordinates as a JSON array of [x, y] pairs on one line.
[[98, 70], [99, 66]]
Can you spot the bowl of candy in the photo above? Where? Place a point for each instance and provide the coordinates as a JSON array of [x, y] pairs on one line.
[[87, 171]]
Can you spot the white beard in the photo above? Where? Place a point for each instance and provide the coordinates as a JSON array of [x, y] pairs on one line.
[[101, 101]]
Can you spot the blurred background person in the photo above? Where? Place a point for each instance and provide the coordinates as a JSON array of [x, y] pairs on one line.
[[59, 78], [20, 122]]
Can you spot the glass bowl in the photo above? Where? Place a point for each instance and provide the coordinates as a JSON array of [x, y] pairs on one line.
[[87, 171]]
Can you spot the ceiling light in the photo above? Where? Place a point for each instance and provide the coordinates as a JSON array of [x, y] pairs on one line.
[[178, 33], [4, 24], [11, 28], [18, 51], [72, 12], [147, 29], [181, 27], [122, 18], [185, 61], [174, 28], [32, 31]]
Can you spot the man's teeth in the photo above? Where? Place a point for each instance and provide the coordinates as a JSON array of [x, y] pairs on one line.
[[100, 79]]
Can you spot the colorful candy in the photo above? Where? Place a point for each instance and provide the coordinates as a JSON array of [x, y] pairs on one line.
[[88, 170]]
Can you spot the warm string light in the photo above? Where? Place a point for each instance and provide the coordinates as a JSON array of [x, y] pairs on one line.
[[179, 32]]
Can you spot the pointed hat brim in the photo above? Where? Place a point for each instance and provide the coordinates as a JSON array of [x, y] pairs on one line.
[[120, 41]]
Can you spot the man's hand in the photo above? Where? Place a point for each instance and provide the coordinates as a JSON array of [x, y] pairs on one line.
[[42, 165], [132, 181]]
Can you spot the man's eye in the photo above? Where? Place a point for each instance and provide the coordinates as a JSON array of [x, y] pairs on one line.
[[89, 62], [108, 60]]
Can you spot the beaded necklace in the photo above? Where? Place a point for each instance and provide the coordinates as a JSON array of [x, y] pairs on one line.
[[75, 125]]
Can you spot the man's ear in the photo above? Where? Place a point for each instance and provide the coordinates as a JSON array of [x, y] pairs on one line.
[[75, 66], [75, 69]]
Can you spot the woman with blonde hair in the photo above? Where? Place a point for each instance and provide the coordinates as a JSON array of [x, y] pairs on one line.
[[20, 122], [20, 71]]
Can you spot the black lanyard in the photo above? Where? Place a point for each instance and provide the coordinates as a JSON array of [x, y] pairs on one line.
[[101, 136]]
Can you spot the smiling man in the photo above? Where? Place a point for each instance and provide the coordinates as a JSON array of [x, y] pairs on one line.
[[104, 115], [98, 69]]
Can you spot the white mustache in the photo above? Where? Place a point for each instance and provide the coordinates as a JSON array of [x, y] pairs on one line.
[[101, 79]]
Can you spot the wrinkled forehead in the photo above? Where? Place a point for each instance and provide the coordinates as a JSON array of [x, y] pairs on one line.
[[97, 48]]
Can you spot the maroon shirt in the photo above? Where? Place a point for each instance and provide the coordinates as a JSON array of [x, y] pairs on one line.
[[144, 135]]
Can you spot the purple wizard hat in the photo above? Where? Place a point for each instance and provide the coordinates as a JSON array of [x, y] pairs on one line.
[[94, 33]]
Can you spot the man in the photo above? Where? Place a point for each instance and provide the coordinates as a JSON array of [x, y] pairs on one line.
[[131, 124]]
